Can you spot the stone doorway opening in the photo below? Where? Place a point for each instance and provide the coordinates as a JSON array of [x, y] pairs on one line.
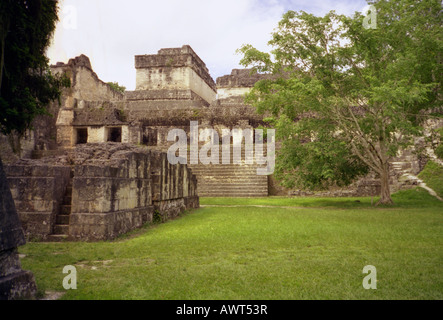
[[82, 136], [115, 134]]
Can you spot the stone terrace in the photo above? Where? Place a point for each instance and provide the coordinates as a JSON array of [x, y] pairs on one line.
[[98, 191]]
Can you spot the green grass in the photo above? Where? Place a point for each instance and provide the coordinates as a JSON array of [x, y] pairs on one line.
[[316, 250], [413, 198], [432, 175]]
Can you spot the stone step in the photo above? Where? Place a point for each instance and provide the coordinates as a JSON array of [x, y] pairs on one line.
[[67, 200], [62, 219], [215, 183], [233, 190], [220, 154], [236, 171], [224, 183], [231, 175], [231, 180], [65, 209], [242, 160], [230, 166], [202, 166], [234, 195], [61, 229], [239, 177], [38, 154]]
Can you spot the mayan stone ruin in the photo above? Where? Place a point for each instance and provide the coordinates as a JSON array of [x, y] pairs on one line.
[[98, 167]]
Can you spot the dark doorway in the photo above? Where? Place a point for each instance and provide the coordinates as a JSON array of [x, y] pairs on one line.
[[82, 136], [150, 137], [115, 135]]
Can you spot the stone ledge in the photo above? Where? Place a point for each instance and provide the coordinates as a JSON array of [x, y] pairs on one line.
[[162, 94]]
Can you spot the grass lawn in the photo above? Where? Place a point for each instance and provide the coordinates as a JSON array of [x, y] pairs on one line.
[[285, 248]]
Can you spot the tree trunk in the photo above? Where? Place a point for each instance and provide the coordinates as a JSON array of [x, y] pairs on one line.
[[385, 193], [3, 33]]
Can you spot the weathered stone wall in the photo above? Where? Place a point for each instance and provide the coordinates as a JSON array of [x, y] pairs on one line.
[[238, 83], [85, 84], [87, 100], [174, 69], [111, 198], [115, 188], [174, 186], [37, 190]]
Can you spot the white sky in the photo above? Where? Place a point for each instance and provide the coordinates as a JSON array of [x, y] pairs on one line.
[[112, 32]]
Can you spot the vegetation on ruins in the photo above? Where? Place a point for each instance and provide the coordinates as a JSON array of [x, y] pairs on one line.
[[439, 148], [115, 86], [433, 175], [351, 92], [26, 83]]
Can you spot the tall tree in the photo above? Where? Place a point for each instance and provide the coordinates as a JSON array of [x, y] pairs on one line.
[[26, 83], [346, 98]]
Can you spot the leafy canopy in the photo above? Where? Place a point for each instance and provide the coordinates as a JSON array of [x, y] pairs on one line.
[[26, 83], [345, 98]]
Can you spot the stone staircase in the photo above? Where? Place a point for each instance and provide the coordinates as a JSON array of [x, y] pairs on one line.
[[403, 166], [230, 180], [405, 169], [227, 180], [61, 226]]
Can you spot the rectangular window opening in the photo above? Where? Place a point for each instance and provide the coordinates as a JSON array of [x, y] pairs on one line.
[[115, 134], [82, 136]]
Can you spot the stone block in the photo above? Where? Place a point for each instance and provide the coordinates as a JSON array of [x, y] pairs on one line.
[[37, 224]]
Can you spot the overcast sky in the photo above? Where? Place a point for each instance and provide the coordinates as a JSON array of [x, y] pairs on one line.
[[112, 32]]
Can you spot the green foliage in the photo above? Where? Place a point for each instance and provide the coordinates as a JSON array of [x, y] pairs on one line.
[[26, 83], [157, 217], [122, 116], [439, 151], [439, 145], [432, 175], [196, 114], [115, 86], [344, 99]]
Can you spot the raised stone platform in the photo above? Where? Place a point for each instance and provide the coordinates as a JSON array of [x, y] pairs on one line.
[[99, 191]]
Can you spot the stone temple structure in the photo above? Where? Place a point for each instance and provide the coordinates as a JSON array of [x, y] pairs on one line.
[[98, 167], [173, 87]]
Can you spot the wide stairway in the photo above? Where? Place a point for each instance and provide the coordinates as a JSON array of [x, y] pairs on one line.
[[230, 180]]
